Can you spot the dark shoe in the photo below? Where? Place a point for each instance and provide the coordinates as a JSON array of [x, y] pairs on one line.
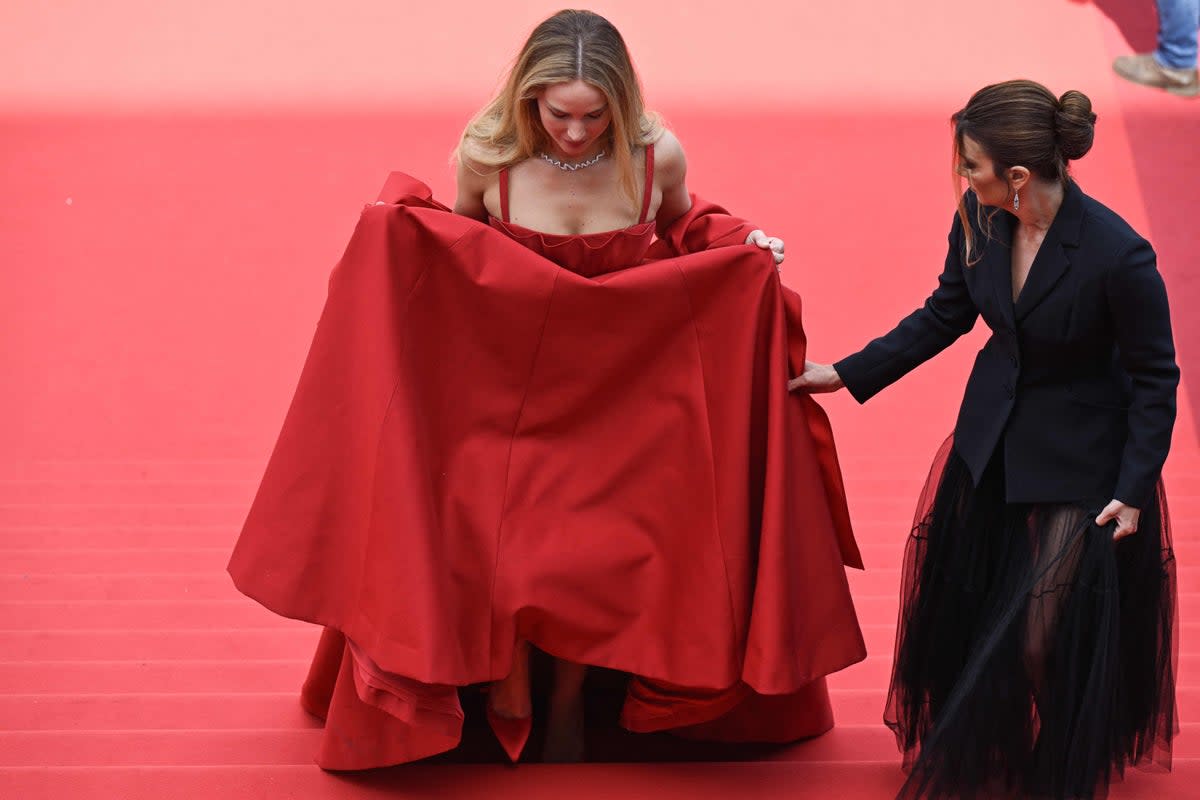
[[1144, 68]]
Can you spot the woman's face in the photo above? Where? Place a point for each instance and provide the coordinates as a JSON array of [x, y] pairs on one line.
[[976, 166], [575, 115]]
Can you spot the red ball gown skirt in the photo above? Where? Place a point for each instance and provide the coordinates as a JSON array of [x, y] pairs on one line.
[[485, 447]]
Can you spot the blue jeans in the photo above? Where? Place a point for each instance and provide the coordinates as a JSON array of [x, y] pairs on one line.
[[1178, 23]]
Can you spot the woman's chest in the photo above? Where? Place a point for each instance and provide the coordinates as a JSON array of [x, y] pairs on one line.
[[1024, 253], [592, 200], [1051, 300]]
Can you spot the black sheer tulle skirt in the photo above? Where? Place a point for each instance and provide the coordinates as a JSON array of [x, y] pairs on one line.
[[1035, 657]]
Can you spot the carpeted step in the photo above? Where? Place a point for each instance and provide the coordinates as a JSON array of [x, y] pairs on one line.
[[153, 586], [153, 492], [235, 612], [860, 780], [189, 676], [110, 514], [93, 537]]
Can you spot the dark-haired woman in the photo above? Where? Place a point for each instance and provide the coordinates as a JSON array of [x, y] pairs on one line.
[[1035, 647]]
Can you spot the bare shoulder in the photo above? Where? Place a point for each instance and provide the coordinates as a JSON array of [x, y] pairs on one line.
[[474, 179], [473, 172], [670, 172], [670, 163]]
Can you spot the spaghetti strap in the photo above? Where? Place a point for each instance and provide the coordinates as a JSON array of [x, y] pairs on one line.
[[504, 194], [649, 183]]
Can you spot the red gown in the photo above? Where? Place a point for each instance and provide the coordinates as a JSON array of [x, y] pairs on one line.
[[581, 441]]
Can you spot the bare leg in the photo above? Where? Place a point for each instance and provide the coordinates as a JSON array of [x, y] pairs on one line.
[[509, 697], [564, 726], [1057, 562]]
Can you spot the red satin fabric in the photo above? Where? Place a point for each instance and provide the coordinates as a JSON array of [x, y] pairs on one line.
[[485, 446], [589, 255]]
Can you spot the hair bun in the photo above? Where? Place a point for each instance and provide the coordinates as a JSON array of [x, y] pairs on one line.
[[1074, 125]]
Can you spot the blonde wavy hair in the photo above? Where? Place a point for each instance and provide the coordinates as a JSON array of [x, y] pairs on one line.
[[571, 45]]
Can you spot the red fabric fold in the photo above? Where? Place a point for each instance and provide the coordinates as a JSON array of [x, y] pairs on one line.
[[486, 447]]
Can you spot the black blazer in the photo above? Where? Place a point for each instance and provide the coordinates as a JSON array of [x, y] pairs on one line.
[[1078, 379]]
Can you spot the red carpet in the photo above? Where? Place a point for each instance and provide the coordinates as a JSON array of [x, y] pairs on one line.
[[163, 270]]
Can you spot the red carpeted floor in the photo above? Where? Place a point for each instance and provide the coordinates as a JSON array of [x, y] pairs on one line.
[[163, 267]]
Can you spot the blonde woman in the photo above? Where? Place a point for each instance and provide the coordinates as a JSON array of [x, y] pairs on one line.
[[568, 147], [567, 161], [557, 420]]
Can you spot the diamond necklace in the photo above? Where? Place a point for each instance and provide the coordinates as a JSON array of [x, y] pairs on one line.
[[566, 167]]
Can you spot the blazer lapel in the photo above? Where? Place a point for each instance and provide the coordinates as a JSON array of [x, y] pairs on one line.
[[1052, 261], [997, 260]]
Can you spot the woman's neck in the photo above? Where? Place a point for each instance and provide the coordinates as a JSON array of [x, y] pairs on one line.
[[1040, 202], [575, 158]]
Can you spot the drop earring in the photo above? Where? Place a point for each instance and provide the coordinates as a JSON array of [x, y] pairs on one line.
[[1016, 201]]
